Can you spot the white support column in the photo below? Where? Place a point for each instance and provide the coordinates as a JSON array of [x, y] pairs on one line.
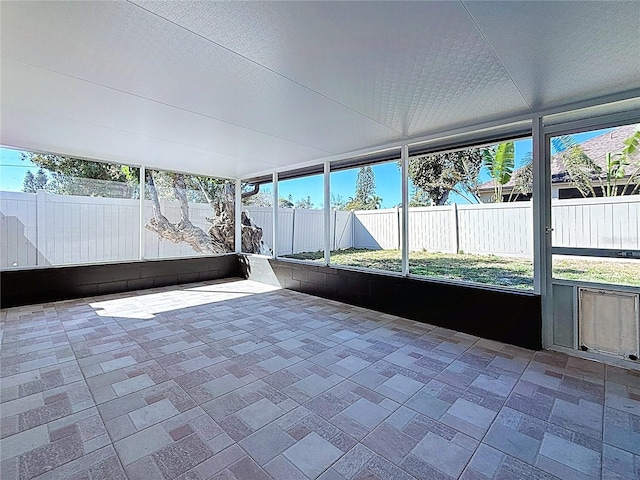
[[143, 174], [327, 213], [405, 209], [542, 228], [238, 217], [274, 240]]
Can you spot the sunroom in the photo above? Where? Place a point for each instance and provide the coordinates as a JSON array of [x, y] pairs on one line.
[[334, 240]]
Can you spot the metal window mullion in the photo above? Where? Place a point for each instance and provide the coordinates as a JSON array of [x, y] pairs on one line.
[[542, 227], [238, 216], [405, 209], [275, 216], [588, 123], [327, 213], [142, 194]]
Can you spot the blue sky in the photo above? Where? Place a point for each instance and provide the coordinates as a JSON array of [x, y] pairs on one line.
[[12, 170], [388, 182], [387, 177]]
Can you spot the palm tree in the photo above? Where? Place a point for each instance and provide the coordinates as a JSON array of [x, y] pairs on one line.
[[583, 171], [500, 162], [522, 179], [580, 167], [631, 147]]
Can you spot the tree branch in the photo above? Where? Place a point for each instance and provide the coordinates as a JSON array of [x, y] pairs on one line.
[[180, 192], [151, 188], [204, 192], [184, 230], [459, 192], [220, 237]]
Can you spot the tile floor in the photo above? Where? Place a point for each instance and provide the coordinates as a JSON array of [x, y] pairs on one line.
[[237, 380]]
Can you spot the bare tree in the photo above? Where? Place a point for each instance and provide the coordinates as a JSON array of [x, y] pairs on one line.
[[72, 176], [220, 236]]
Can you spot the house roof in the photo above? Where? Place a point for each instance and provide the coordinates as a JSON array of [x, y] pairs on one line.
[[595, 148]]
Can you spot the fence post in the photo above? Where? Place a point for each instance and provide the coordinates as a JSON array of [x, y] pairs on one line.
[[41, 227], [398, 227], [353, 228], [293, 231], [335, 227], [455, 230]]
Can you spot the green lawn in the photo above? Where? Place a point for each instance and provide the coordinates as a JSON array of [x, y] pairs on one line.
[[490, 269]]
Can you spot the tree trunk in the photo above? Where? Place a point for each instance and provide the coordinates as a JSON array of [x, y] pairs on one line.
[[184, 230], [252, 237], [220, 237], [222, 225], [443, 199]]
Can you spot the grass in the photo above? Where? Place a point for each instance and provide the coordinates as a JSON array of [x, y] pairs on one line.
[[489, 269]]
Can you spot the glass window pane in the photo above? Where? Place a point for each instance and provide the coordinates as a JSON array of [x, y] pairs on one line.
[[188, 215], [366, 217], [595, 205], [301, 218], [470, 215], [59, 210], [257, 218]]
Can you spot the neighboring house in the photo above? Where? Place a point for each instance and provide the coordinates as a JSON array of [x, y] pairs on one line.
[[561, 184]]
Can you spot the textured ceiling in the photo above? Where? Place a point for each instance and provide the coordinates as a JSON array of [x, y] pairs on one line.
[[234, 88]]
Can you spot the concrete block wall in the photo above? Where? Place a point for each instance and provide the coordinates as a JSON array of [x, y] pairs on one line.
[[507, 316], [510, 317], [37, 285]]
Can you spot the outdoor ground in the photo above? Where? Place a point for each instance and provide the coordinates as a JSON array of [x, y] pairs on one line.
[[491, 269]]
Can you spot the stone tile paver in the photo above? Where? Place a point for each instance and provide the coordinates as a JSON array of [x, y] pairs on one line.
[[266, 443], [233, 379], [312, 454]]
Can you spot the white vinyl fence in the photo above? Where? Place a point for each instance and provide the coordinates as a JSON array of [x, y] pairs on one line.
[[500, 229], [301, 230], [377, 229], [47, 229], [597, 223], [488, 228]]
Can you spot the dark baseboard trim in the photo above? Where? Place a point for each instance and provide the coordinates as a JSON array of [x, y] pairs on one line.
[[509, 317], [39, 285]]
